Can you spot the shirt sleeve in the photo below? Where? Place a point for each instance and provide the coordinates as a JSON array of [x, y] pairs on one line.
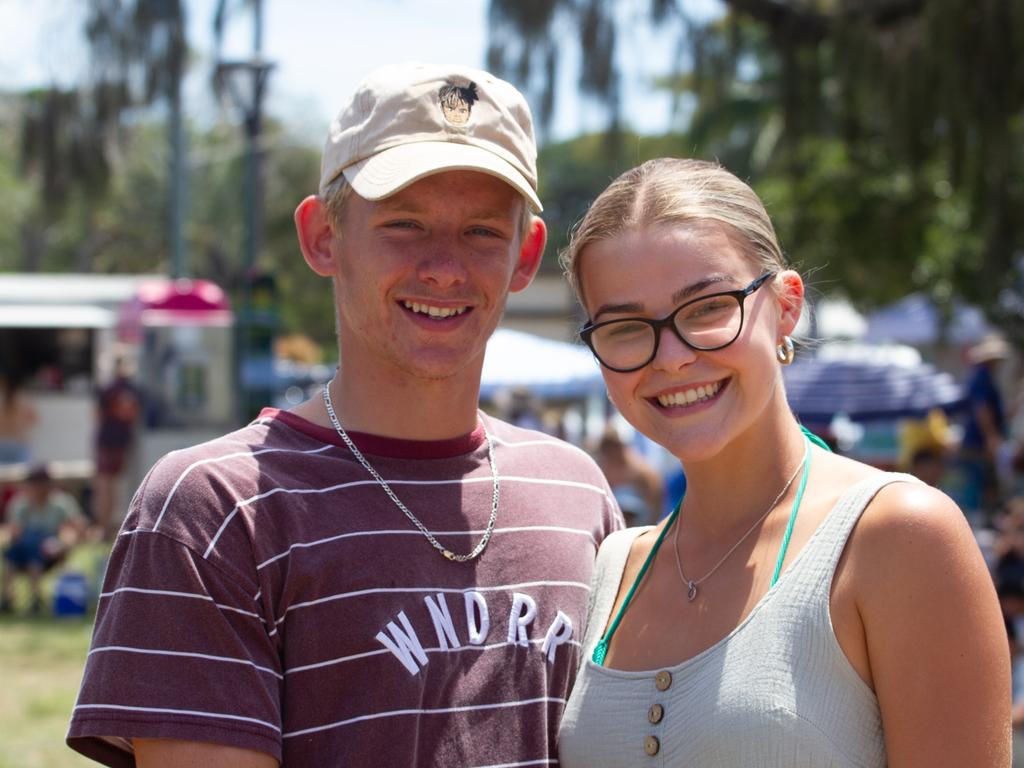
[[180, 650]]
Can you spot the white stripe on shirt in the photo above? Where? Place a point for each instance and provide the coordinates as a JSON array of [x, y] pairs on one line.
[[167, 711], [438, 711], [189, 595], [446, 590], [354, 483], [382, 651], [412, 532], [189, 654]]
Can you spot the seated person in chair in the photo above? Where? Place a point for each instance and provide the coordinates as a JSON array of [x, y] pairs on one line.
[[44, 524]]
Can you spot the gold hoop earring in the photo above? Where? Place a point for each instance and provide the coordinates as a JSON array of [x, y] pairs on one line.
[[785, 351]]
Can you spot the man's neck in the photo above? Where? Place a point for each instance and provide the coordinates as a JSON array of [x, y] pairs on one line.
[[409, 409]]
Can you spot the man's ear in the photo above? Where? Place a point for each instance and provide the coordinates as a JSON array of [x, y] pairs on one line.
[[315, 235], [791, 300], [530, 252]]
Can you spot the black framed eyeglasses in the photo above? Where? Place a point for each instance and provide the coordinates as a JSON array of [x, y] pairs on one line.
[[706, 323]]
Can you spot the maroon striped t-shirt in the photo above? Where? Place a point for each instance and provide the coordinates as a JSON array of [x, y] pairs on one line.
[[265, 593]]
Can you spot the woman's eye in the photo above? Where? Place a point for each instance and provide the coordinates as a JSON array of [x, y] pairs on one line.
[[625, 329]]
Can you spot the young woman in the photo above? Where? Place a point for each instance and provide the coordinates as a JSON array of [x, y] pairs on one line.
[[798, 608]]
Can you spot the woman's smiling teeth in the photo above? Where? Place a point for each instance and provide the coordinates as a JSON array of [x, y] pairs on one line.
[[438, 312], [690, 396]]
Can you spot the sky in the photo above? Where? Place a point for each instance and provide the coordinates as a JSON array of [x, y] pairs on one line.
[[321, 49]]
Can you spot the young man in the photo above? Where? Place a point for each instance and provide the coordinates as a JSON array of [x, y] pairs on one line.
[[382, 576]]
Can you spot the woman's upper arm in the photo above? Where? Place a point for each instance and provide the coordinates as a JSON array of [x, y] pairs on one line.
[[935, 638], [172, 753]]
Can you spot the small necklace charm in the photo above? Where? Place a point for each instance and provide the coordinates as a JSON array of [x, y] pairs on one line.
[[691, 591]]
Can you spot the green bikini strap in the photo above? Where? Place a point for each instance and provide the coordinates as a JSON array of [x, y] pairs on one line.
[[601, 650]]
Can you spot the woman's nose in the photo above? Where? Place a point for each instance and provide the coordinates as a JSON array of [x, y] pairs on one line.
[[672, 353]]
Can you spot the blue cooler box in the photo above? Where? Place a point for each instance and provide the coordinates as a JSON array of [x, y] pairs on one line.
[[71, 594]]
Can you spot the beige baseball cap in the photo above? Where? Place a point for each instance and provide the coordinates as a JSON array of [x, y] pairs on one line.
[[411, 120]]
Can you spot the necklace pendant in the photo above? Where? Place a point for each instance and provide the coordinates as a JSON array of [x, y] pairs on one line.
[[691, 591]]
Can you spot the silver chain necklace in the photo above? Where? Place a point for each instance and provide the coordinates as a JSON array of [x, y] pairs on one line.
[[415, 521], [692, 584]]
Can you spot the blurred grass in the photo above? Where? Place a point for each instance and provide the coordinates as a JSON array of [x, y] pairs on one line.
[[42, 658]]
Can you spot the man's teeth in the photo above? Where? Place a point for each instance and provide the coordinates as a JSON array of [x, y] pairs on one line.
[[689, 396], [426, 309]]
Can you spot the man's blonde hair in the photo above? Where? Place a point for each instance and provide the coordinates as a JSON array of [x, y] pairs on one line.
[[673, 191]]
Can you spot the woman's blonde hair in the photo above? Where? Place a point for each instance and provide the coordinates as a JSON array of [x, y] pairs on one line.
[[673, 191]]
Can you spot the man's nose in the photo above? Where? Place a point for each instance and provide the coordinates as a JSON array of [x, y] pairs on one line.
[[444, 263]]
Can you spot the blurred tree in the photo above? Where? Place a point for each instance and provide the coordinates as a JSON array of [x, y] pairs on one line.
[[70, 137], [886, 136]]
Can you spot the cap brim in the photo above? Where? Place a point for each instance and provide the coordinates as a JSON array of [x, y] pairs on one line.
[[388, 171]]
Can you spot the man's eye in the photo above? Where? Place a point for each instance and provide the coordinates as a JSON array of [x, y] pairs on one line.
[[483, 232], [401, 224]]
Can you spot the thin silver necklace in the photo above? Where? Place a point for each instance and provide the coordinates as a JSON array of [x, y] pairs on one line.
[[693, 584], [412, 518]]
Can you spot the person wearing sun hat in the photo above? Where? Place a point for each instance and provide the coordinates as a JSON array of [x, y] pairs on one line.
[[985, 424], [383, 575]]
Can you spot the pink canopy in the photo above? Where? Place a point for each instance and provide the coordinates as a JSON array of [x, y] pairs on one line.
[[163, 301]]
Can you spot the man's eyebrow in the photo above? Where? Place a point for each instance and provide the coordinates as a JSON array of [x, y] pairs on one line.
[[396, 203], [392, 205], [634, 307], [494, 214]]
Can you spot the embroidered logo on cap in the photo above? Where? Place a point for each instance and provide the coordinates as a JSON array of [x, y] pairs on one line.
[[457, 101]]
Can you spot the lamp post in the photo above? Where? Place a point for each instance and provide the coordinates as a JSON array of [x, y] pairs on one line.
[[245, 81]]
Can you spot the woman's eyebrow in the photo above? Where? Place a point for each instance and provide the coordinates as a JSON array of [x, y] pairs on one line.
[[619, 309], [685, 293], [678, 297]]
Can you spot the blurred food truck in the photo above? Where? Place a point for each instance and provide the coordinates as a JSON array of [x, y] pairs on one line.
[[61, 336]]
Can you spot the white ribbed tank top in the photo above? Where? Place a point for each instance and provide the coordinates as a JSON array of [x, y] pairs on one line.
[[776, 692]]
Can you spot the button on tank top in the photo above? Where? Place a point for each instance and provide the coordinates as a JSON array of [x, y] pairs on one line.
[[776, 692]]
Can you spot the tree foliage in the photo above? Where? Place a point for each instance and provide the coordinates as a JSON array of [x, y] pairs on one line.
[[886, 136], [71, 138]]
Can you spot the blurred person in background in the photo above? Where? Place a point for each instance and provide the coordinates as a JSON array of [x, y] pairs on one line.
[[985, 426], [1017, 657], [45, 522], [637, 486], [118, 408], [924, 446], [18, 416]]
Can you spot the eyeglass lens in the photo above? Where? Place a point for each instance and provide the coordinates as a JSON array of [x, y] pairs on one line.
[[706, 323]]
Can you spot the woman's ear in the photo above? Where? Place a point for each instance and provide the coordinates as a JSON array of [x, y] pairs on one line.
[[791, 300], [315, 235]]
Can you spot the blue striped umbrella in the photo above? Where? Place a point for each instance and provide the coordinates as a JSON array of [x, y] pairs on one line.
[[867, 383]]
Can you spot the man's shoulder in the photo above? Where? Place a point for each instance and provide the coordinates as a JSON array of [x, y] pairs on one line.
[[513, 434], [219, 472], [544, 449]]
